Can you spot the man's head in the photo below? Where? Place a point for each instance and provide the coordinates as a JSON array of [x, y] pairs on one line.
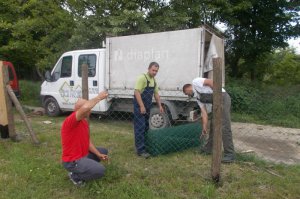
[[153, 69], [188, 90], [79, 104]]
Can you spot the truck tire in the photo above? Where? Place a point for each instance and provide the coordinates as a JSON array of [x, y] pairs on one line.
[[159, 120], [52, 107]]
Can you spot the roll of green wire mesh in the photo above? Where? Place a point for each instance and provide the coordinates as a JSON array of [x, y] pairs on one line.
[[172, 139]]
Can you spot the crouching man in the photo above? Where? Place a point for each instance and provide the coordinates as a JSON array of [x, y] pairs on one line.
[[79, 155]]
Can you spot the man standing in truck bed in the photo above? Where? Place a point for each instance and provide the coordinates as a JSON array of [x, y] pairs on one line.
[[145, 88]]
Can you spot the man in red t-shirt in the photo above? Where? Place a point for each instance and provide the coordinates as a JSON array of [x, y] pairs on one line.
[[79, 155]]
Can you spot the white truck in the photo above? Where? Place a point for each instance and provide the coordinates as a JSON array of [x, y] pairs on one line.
[[182, 55]]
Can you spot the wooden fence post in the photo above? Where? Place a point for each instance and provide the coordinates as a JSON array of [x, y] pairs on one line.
[[85, 83], [217, 120], [6, 114]]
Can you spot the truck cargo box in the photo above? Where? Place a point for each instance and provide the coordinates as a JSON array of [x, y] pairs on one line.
[[181, 55]]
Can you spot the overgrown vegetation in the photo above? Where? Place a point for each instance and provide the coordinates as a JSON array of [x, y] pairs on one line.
[[28, 171], [265, 104], [30, 92]]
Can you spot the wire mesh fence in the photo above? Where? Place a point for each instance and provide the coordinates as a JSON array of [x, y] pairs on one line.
[[256, 121], [175, 129], [267, 121]]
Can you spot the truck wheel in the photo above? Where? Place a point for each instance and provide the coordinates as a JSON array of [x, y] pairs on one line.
[[52, 107], [158, 120]]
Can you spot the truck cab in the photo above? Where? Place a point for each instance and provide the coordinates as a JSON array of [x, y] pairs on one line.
[[62, 87]]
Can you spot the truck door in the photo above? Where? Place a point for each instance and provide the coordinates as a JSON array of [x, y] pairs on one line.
[[90, 59], [62, 85]]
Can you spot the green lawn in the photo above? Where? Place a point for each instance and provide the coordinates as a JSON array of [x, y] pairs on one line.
[[28, 171]]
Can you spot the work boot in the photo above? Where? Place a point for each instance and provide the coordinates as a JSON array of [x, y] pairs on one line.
[[144, 155], [228, 158], [205, 151], [78, 183]]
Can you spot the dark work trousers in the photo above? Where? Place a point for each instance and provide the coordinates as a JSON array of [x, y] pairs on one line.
[[141, 121], [226, 128], [88, 167]]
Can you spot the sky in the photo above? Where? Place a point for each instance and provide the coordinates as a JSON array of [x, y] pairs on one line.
[[295, 43]]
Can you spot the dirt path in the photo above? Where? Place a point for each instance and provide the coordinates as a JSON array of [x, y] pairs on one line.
[[276, 144]]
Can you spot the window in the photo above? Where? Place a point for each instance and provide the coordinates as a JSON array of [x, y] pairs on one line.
[[66, 67], [90, 60], [63, 68]]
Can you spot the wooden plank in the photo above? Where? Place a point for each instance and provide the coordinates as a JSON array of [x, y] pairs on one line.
[[22, 113], [3, 108], [10, 114], [217, 120], [7, 112]]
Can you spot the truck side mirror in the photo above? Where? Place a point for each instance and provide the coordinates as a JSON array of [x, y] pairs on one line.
[[48, 76]]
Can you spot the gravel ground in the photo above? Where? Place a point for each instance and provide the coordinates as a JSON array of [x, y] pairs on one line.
[[275, 144]]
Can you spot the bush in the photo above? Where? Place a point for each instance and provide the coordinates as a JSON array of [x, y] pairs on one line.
[[30, 92], [268, 104]]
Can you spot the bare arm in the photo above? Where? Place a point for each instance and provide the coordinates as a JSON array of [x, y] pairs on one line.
[[208, 82], [94, 150], [204, 119], [138, 97], [84, 110], [139, 100], [157, 99]]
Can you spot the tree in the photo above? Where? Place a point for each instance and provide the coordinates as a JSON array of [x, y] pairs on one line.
[[125, 17], [255, 28], [198, 12], [33, 33], [97, 19], [283, 67]]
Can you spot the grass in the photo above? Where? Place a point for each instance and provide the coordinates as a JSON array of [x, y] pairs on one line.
[[28, 171], [289, 121]]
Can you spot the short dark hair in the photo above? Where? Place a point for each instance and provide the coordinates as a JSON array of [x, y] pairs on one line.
[[153, 64], [186, 86]]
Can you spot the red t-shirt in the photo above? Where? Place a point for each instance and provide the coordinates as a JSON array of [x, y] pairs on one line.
[[75, 138]]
